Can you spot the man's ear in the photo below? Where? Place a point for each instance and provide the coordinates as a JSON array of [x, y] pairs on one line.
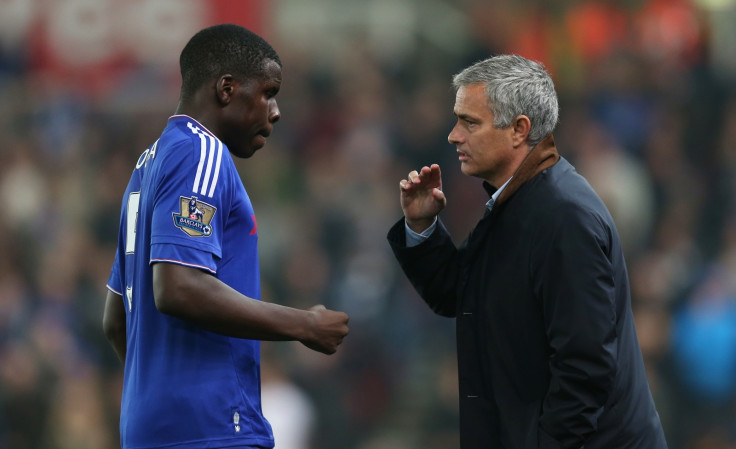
[[521, 127], [224, 89]]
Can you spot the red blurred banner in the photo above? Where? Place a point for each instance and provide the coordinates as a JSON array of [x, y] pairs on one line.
[[95, 42]]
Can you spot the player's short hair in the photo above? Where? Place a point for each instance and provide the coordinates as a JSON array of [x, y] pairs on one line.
[[515, 86], [221, 49]]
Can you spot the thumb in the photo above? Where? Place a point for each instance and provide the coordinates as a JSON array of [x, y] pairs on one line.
[[438, 194]]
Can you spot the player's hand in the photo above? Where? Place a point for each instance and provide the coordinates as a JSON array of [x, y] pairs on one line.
[[327, 329], [422, 197]]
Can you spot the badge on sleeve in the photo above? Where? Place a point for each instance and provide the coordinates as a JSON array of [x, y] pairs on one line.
[[195, 217]]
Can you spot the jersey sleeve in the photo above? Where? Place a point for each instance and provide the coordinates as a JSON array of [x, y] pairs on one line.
[[191, 204], [115, 281]]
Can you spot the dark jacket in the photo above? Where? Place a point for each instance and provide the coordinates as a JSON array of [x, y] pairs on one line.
[[547, 351]]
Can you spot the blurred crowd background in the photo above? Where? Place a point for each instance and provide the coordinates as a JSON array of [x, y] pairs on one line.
[[648, 114]]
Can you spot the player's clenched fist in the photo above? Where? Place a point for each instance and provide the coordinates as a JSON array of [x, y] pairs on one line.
[[327, 329], [422, 197]]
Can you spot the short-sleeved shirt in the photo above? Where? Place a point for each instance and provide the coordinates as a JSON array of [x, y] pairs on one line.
[[185, 387]]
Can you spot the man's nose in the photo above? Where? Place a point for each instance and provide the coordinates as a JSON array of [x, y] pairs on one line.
[[274, 114], [454, 137]]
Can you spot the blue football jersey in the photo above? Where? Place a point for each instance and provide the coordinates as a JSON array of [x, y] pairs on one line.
[[185, 387]]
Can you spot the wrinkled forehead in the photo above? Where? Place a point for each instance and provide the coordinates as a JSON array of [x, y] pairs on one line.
[[272, 69], [471, 98]]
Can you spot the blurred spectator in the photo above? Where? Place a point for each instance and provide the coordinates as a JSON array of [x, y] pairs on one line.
[[704, 345], [287, 407]]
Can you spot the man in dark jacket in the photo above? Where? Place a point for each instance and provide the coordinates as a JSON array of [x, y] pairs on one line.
[[548, 355]]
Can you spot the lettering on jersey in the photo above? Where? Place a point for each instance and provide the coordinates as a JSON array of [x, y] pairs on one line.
[[195, 217], [147, 155]]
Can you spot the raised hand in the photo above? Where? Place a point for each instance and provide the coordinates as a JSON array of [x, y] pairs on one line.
[[422, 197], [327, 329]]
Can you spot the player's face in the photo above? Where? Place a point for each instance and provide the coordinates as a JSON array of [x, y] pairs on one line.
[[483, 150], [250, 116]]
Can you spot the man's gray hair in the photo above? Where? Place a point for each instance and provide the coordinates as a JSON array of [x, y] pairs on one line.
[[515, 86]]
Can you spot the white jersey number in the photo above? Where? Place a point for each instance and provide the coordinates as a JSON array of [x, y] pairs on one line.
[[130, 227]]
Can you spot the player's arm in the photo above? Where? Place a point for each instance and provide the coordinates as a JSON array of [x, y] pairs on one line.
[[113, 324], [200, 298]]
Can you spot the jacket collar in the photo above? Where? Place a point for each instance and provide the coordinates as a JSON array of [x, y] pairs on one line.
[[541, 157]]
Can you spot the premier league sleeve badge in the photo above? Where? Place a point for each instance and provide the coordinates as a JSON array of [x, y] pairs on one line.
[[195, 217]]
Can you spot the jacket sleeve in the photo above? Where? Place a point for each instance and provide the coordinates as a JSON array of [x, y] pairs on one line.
[[573, 275], [431, 266]]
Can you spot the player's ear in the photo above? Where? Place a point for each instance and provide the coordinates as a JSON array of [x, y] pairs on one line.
[[224, 89]]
